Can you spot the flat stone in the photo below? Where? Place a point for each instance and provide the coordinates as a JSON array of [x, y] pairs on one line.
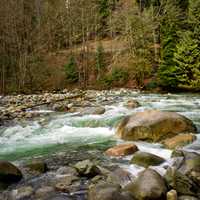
[[122, 150]]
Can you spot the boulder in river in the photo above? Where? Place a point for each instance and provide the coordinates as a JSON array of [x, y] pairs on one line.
[[9, 174], [122, 150], [153, 126], [148, 185], [179, 140], [145, 159]]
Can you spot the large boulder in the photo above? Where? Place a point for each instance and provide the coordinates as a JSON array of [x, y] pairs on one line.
[[9, 174], [145, 159], [153, 126], [122, 150], [149, 185]]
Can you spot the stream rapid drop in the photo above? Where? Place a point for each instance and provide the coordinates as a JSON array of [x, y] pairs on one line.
[[64, 132]]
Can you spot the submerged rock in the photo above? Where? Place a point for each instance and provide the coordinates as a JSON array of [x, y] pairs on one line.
[[145, 159], [149, 185], [179, 140], [153, 126], [122, 150], [9, 174], [132, 104]]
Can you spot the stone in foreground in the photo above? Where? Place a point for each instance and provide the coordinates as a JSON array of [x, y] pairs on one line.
[[154, 126], [148, 185], [122, 150]]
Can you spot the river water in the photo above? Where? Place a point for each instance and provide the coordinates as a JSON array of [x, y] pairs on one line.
[[64, 132]]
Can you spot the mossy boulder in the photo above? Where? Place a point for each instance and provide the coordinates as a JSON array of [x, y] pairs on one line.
[[145, 159], [148, 185], [153, 126]]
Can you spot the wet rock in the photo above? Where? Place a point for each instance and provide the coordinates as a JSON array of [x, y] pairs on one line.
[[120, 176], [122, 150], [87, 168], [148, 185], [107, 191], [9, 174], [179, 140], [23, 192], [185, 197], [172, 195], [145, 159], [153, 126], [181, 183], [132, 104], [38, 166]]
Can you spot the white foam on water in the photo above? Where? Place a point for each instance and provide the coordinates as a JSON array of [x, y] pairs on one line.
[[30, 137]]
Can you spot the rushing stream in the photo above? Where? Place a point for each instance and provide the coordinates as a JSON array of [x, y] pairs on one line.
[[63, 132]]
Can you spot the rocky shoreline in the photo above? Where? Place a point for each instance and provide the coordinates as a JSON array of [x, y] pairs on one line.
[[96, 174]]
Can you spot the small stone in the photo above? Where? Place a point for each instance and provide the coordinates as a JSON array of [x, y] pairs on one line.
[[172, 195], [44, 191], [87, 168], [22, 192], [122, 150]]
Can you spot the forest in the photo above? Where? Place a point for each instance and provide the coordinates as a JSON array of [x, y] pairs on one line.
[[50, 45]]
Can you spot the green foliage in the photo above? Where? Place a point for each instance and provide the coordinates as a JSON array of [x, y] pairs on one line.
[[71, 72], [171, 23], [117, 77], [187, 60]]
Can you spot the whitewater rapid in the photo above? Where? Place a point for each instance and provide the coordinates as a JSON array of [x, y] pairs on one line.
[[71, 130]]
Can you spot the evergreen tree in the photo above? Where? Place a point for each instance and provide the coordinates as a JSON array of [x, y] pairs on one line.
[[172, 22], [71, 72], [187, 55], [100, 61]]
